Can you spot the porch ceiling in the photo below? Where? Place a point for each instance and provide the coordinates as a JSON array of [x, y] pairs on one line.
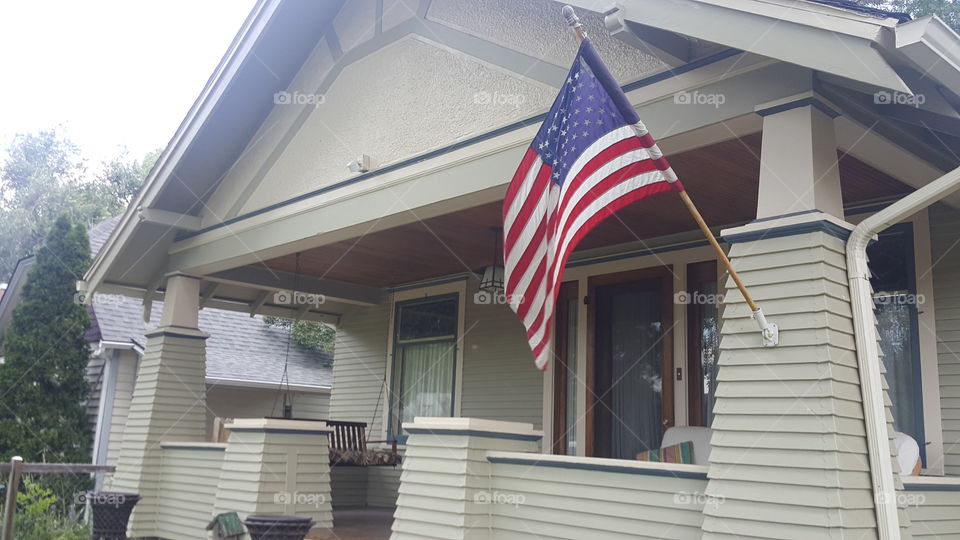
[[722, 179]]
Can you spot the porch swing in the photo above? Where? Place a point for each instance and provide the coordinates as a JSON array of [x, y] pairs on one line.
[[349, 446]]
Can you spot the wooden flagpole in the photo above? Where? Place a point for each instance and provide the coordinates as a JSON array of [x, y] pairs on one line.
[[770, 331]]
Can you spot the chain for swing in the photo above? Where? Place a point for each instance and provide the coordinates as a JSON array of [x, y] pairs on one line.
[[284, 389]]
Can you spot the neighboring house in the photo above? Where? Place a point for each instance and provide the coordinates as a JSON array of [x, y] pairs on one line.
[[789, 122], [245, 362]]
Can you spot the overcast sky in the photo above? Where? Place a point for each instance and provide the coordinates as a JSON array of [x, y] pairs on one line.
[[112, 72]]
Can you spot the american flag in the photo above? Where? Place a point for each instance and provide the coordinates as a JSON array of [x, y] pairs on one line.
[[591, 157]]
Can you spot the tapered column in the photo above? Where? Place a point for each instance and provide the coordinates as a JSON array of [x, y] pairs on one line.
[[168, 401], [445, 487], [275, 466], [790, 449]]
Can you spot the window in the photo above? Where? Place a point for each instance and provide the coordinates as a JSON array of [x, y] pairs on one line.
[[703, 340], [895, 302], [425, 352]]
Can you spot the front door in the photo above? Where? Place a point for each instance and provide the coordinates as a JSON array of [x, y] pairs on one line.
[[630, 396]]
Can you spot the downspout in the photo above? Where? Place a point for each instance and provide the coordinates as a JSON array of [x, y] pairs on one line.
[[868, 352]]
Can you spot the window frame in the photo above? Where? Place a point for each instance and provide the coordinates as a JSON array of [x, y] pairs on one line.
[[405, 295]]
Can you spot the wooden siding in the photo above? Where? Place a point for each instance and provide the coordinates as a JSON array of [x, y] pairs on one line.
[[789, 446], [123, 393], [360, 363], [239, 402], [500, 380], [167, 405], [933, 507], [944, 241], [538, 501], [444, 476], [188, 489]]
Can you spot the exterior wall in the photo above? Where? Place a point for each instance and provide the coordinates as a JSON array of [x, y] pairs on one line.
[[358, 393], [189, 490], [240, 402], [500, 381], [548, 497], [123, 393], [945, 233], [932, 504], [408, 58]]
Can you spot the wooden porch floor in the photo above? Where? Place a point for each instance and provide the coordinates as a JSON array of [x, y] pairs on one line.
[[358, 524]]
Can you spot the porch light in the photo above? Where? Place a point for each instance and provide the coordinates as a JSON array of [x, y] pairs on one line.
[[492, 281]]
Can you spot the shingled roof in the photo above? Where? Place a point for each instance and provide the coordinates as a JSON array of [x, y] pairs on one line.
[[240, 347]]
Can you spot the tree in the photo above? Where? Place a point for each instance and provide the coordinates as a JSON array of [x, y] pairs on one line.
[[42, 384], [307, 334], [948, 10], [44, 176]]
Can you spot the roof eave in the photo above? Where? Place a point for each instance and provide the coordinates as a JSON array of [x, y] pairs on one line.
[[934, 47], [185, 135]]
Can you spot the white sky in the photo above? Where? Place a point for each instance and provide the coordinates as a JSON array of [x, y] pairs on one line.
[[113, 73]]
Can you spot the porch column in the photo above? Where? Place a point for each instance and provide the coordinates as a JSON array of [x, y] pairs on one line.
[[445, 483], [275, 466], [789, 447], [798, 171], [168, 401]]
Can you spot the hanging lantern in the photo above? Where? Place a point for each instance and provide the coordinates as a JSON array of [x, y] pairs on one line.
[[492, 281]]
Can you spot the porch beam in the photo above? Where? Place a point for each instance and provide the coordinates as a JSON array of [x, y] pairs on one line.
[[844, 46], [673, 49], [472, 175], [261, 277], [168, 219]]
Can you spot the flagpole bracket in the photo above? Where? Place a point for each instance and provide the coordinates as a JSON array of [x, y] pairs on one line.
[[769, 332]]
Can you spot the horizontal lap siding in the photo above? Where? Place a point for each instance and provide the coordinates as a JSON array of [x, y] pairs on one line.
[[237, 402], [789, 453], [188, 490], [547, 502], [934, 514], [359, 367], [945, 251], [500, 380]]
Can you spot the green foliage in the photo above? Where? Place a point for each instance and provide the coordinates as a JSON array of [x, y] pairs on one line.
[[948, 10], [43, 177], [42, 385], [307, 334], [40, 517]]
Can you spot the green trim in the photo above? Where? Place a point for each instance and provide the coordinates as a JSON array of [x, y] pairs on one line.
[[931, 487], [790, 230], [811, 101], [474, 433], [174, 333], [600, 467], [286, 431]]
